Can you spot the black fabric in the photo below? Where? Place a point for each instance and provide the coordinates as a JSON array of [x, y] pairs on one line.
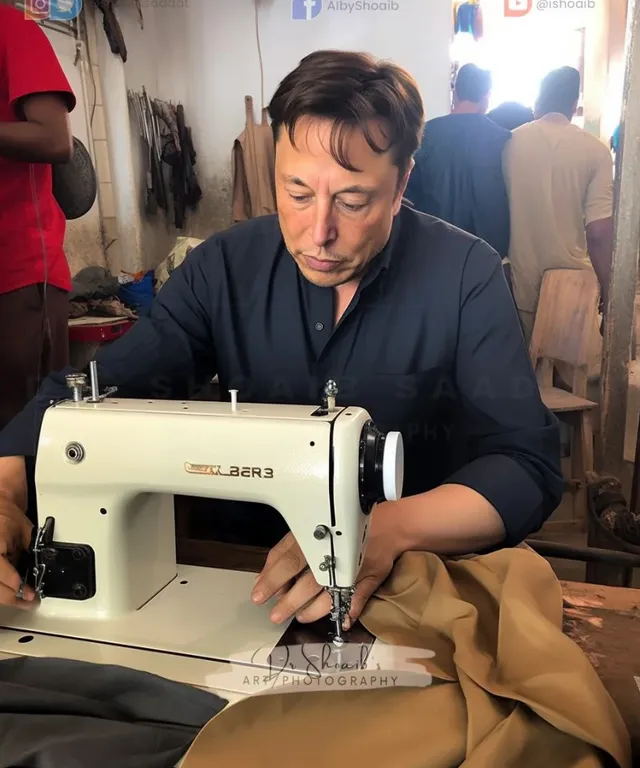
[[56, 713], [430, 345], [458, 177]]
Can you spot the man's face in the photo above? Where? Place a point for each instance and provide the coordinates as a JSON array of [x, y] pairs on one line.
[[334, 221]]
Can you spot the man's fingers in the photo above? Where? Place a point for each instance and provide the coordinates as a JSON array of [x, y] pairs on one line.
[[294, 600], [284, 589], [279, 549], [9, 598], [10, 580], [278, 573], [8, 575], [316, 610], [364, 589], [26, 536]]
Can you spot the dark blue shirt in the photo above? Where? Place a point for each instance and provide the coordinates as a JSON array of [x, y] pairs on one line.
[[430, 345], [458, 177]]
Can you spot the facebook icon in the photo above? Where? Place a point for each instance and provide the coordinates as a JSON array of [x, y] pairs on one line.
[[305, 10]]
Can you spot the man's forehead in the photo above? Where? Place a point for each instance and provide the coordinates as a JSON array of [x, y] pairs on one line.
[[320, 142], [353, 189]]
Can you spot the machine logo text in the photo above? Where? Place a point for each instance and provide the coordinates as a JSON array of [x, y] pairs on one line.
[[264, 473]]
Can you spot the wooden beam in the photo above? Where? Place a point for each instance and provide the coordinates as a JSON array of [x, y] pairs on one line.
[[618, 331]]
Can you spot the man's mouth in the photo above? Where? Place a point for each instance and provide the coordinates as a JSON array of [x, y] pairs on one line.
[[321, 265]]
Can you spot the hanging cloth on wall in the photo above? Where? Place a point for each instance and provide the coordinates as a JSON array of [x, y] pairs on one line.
[[253, 160], [477, 26], [167, 140], [468, 19], [112, 28]]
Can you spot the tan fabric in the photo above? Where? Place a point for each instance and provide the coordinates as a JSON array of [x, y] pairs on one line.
[[253, 168], [559, 179], [518, 692]]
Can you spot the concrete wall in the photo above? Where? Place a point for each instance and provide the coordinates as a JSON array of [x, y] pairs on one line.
[[204, 54]]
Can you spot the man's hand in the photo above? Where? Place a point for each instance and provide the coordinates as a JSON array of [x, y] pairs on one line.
[[15, 535], [286, 575]]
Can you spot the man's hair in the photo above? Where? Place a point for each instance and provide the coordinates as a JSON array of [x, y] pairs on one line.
[[559, 92], [472, 83], [511, 115], [353, 90]]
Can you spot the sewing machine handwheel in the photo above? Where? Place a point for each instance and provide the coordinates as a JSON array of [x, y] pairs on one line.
[[393, 466]]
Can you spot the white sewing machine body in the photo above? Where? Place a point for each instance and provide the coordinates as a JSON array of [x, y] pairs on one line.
[[107, 471]]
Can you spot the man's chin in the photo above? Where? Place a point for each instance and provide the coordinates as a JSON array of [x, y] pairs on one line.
[[324, 279]]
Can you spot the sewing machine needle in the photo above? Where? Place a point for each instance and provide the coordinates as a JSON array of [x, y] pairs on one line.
[[338, 640]]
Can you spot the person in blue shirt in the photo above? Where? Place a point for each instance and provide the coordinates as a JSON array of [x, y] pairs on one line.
[[458, 168], [410, 316]]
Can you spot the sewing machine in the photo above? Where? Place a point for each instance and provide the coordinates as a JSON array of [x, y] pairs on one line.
[[104, 558]]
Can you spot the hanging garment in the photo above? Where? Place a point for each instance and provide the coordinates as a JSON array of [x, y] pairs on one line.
[[179, 154], [465, 17], [477, 26], [511, 689], [112, 28], [254, 191]]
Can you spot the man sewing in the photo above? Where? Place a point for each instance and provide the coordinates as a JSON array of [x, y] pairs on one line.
[[411, 317], [35, 132]]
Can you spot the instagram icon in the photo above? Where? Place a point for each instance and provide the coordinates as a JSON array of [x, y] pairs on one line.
[[517, 7], [56, 10]]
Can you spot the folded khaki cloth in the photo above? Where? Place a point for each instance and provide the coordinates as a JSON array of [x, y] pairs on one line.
[[516, 692]]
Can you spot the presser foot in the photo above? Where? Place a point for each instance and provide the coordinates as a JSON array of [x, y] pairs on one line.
[[340, 607]]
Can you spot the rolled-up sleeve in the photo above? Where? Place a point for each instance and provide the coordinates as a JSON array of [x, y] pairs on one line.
[[172, 344], [513, 439]]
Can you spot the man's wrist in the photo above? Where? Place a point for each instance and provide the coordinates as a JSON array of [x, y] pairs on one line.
[[387, 523]]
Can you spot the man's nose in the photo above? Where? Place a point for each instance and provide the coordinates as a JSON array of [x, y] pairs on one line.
[[324, 230]]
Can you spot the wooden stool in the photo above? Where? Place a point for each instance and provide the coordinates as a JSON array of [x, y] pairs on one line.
[[560, 345]]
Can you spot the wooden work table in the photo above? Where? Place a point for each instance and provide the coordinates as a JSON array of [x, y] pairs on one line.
[[603, 621]]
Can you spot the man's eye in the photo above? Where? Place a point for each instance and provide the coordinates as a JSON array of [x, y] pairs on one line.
[[353, 206], [299, 198]]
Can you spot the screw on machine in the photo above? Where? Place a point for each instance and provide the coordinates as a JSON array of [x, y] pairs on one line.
[[330, 393]]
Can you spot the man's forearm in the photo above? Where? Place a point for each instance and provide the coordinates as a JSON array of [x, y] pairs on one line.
[[449, 520], [601, 262], [32, 143], [13, 481], [600, 248]]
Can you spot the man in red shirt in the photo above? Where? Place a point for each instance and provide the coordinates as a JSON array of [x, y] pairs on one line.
[[35, 101]]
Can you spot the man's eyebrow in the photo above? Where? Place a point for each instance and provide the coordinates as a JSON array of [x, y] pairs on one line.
[[295, 180], [356, 189]]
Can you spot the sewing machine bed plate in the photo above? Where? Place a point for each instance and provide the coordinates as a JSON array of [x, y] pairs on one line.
[[188, 632]]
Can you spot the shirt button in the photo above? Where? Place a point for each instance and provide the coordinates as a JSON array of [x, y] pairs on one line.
[[319, 327]]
